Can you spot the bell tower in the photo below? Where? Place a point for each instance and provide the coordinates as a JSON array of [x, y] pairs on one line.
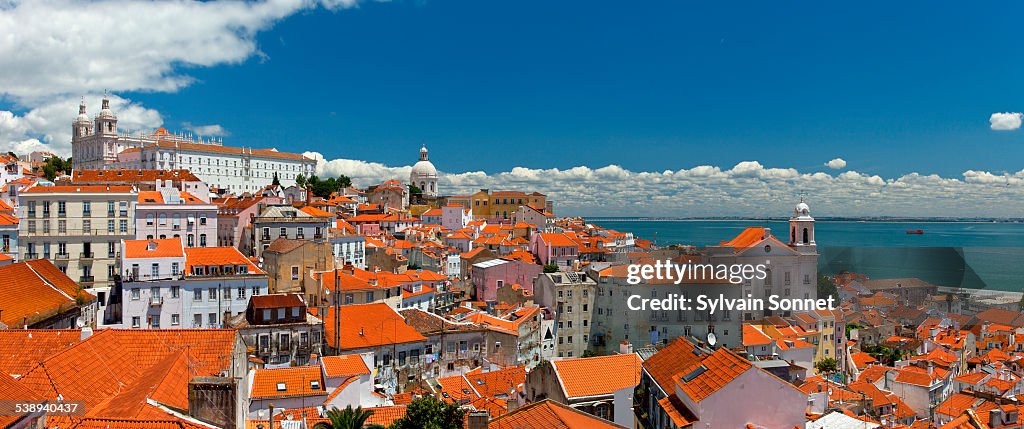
[[801, 229]]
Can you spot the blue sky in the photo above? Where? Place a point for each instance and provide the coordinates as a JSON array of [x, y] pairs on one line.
[[895, 90], [661, 85]]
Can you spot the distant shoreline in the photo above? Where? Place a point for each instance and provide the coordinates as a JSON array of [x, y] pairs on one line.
[[781, 219]]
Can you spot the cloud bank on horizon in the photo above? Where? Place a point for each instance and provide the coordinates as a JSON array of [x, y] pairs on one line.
[[54, 63], [746, 189]]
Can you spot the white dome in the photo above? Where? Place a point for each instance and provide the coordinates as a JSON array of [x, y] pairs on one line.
[[424, 169], [802, 209]]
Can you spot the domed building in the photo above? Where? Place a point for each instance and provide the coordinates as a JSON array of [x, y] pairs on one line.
[[424, 175]]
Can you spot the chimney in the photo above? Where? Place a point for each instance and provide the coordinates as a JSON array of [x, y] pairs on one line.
[[86, 333], [625, 347], [767, 233], [995, 417], [478, 420]]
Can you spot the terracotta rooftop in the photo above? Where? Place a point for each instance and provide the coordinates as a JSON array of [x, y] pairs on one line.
[[368, 326], [154, 248], [344, 365], [549, 414], [287, 382], [617, 372], [36, 290]]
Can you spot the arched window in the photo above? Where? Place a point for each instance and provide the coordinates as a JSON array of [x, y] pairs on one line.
[[806, 238], [792, 235]]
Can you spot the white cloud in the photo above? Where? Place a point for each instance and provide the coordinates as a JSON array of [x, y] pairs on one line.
[[747, 189], [1005, 121], [836, 164], [212, 130], [54, 52]]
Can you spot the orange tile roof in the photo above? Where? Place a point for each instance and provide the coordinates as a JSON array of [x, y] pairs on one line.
[[8, 219], [217, 256], [344, 365], [158, 248], [313, 211], [548, 414], [344, 281], [749, 237], [752, 336], [77, 189], [713, 373], [166, 383], [557, 239], [498, 382], [367, 326], [23, 349], [617, 372], [385, 416], [670, 360], [132, 176], [36, 290], [457, 389], [209, 148], [12, 390], [677, 411], [287, 382]]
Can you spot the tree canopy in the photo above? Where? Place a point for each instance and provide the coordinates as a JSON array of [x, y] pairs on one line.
[[323, 188], [54, 165], [430, 413]]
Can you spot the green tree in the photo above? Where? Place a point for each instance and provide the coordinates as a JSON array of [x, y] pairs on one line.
[[300, 180], [276, 182], [349, 418], [324, 188], [589, 353], [56, 165], [415, 190], [430, 413], [550, 268], [827, 287], [826, 367]]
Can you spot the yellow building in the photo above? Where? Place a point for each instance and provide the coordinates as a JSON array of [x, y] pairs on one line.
[[486, 204], [831, 333]]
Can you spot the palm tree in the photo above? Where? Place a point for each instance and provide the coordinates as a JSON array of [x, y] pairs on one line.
[[349, 418]]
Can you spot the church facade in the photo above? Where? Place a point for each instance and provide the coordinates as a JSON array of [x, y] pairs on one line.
[[98, 145]]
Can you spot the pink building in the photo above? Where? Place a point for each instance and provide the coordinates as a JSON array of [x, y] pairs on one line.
[[555, 248], [490, 275]]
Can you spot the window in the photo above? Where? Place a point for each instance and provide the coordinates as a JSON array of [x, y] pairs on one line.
[[175, 319], [197, 319], [136, 321], [202, 240], [135, 294], [123, 226], [212, 294], [212, 319], [62, 226], [175, 291], [149, 219], [241, 293], [295, 272], [175, 268], [155, 270], [197, 295], [87, 226], [110, 226], [86, 208]]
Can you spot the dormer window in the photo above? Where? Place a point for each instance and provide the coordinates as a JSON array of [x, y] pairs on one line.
[[314, 385], [281, 387]]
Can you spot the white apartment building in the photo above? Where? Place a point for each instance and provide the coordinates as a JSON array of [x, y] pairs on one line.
[[78, 228], [349, 250], [169, 286], [285, 221], [100, 145], [170, 213], [572, 295]]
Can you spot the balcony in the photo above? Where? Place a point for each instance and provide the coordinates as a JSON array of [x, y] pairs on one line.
[[31, 255], [86, 279], [110, 213], [156, 301], [318, 236], [62, 256], [85, 255]]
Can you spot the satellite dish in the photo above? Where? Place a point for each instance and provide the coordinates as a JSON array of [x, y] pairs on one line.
[[79, 323], [712, 339]]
